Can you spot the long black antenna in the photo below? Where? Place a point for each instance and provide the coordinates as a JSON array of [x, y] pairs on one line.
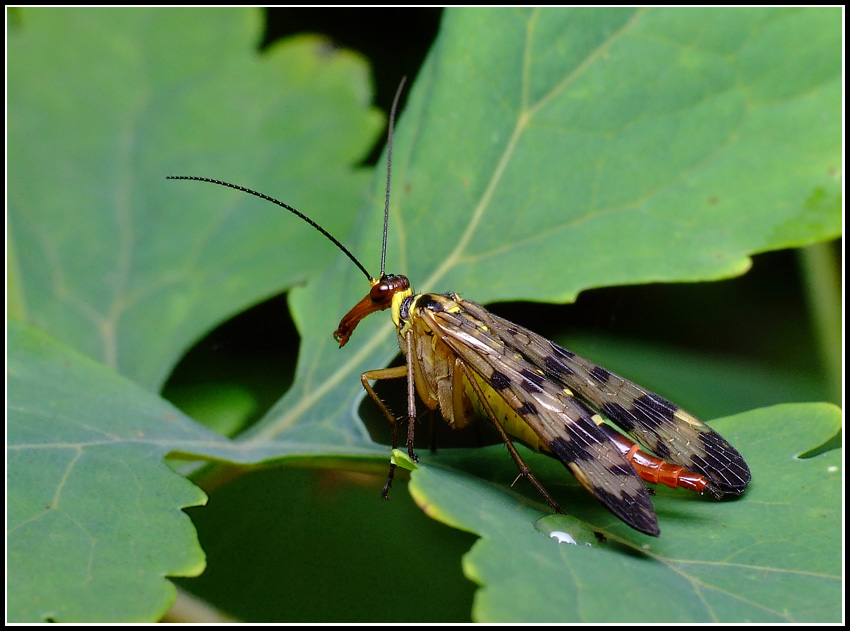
[[389, 171], [279, 203]]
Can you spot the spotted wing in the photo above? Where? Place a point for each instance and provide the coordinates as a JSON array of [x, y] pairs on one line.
[[563, 423], [651, 420]]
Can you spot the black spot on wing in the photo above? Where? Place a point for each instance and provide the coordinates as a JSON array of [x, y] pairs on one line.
[[554, 366], [619, 414], [722, 465], [600, 374], [498, 381], [637, 512], [649, 412], [560, 350], [533, 380], [572, 450], [654, 404], [527, 408]]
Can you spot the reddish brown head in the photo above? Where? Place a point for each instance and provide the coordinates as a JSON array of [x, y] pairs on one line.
[[380, 297]]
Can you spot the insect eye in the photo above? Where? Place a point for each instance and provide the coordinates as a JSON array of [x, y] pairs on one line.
[[379, 292], [387, 285]]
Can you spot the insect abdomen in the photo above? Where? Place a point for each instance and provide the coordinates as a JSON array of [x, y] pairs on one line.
[[511, 421]]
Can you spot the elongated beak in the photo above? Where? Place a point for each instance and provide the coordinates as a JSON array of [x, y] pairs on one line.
[[380, 297], [351, 319]]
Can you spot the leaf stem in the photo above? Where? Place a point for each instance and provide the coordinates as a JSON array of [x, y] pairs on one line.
[[823, 287]]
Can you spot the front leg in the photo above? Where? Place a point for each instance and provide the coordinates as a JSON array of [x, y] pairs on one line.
[[395, 373]]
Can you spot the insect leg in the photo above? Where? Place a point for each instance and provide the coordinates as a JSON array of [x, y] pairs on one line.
[[411, 395], [375, 375], [395, 373], [524, 470]]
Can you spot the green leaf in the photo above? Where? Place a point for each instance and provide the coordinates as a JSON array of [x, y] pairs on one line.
[[93, 513], [128, 267], [401, 459], [93, 520], [771, 556]]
